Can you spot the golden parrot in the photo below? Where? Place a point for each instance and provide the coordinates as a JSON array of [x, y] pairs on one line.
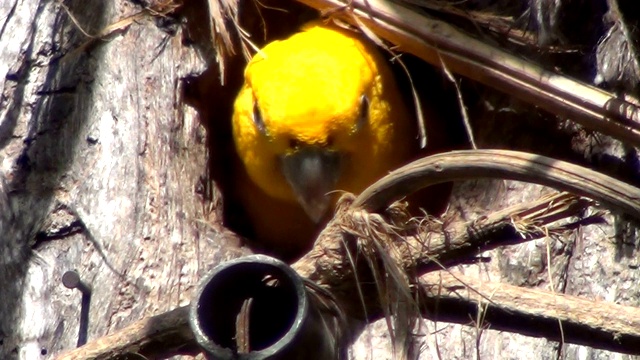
[[319, 112]]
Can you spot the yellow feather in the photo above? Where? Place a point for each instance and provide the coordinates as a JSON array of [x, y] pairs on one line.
[[308, 91]]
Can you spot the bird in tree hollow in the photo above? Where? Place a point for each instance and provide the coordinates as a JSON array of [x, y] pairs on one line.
[[319, 112]]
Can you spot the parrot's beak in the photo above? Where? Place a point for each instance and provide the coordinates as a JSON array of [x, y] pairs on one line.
[[312, 173]]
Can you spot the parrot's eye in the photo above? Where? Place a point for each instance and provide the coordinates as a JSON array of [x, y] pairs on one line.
[[363, 114], [257, 118], [294, 144]]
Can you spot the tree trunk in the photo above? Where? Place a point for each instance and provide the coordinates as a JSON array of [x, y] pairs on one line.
[[104, 171]]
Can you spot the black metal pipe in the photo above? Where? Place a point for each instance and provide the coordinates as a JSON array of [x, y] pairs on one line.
[[256, 307]]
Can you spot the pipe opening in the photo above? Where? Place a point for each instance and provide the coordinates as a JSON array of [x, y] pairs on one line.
[[262, 296]]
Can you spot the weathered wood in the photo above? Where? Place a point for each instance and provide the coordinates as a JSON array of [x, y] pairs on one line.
[[103, 170]]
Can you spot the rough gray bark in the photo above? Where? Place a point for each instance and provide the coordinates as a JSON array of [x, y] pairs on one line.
[[103, 168]]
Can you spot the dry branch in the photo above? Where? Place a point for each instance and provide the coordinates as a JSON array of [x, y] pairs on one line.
[[450, 243], [457, 243], [502, 164], [158, 336], [597, 324], [444, 46]]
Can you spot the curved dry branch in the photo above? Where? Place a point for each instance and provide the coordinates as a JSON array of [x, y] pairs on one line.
[[502, 164], [596, 324], [444, 46]]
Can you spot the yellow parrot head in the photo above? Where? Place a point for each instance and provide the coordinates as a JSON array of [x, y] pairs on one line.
[[315, 114]]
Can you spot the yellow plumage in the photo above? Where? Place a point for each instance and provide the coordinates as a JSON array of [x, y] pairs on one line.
[[319, 111]]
